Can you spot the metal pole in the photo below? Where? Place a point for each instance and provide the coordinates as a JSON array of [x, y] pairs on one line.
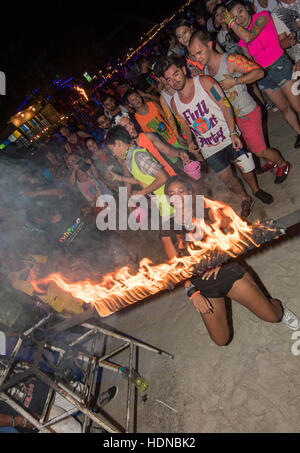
[[129, 389], [131, 340], [98, 420]]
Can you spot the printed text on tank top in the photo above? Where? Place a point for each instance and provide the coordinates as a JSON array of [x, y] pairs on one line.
[[204, 118]]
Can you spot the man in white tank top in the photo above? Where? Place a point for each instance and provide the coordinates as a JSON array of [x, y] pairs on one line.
[[200, 103]]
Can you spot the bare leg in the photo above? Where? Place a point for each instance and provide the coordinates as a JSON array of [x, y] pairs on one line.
[[216, 322], [280, 100], [247, 293], [271, 155]]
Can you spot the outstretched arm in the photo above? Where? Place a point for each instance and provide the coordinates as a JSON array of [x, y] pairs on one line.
[[169, 116], [160, 180], [216, 93]]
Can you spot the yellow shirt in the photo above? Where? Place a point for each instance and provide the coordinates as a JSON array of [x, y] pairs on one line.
[[57, 298]]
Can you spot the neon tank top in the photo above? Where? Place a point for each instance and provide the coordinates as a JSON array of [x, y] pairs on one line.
[[265, 48], [153, 122], [206, 120]]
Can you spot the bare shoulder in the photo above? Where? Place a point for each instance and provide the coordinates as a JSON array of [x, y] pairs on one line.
[[206, 81]]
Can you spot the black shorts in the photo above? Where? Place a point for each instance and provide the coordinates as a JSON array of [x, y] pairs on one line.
[[227, 276]]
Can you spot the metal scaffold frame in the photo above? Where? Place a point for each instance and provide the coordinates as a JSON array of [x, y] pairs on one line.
[[92, 361]]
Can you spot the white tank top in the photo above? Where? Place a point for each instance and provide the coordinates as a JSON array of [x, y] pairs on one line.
[[238, 96], [206, 121]]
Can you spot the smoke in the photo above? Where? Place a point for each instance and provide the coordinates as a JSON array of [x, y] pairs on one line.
[[26, 228]]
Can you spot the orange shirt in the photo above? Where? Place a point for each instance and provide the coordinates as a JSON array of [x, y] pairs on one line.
[[154, 122]]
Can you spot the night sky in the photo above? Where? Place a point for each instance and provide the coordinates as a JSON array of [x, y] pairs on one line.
[[41, 39]]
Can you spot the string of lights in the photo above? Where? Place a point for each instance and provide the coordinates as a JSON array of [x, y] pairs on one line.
[[146, 39]]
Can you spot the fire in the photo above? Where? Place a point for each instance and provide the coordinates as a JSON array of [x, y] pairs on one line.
[[82, 92], [121, 288]]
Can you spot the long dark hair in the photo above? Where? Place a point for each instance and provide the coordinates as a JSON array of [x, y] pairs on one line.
[[183, 23], [181, 179]]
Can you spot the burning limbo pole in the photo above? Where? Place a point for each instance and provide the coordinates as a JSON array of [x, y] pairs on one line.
[[122, 289]]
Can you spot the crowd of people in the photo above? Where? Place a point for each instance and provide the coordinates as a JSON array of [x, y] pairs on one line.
[[197, 93]]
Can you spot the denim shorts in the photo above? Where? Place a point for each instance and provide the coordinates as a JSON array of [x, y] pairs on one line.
[[222, 160], [277, 74]]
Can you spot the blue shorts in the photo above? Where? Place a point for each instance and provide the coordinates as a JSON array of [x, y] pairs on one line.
[[222, 160], [277, 74]]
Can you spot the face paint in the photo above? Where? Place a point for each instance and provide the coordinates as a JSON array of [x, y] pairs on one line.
[[215, 93], [242, 62], [226, 102]]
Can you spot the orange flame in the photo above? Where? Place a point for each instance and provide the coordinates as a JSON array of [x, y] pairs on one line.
[[82, 92], [121, 288]]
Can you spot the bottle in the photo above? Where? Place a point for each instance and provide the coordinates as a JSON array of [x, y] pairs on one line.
[[139, 382]]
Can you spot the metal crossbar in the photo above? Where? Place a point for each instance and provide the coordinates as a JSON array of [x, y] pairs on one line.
[[80, 401]]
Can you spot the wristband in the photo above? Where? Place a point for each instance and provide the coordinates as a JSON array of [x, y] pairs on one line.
[[192, 297], [232, 23], [114, 178], [234, 133]]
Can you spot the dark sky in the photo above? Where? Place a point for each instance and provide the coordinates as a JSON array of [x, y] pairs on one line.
[[62, 37], [36, 30]]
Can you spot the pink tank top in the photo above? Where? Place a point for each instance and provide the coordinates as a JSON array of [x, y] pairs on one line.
[[265, 49]]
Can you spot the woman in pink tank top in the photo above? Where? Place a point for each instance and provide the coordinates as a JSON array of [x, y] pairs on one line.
[[259, 38]]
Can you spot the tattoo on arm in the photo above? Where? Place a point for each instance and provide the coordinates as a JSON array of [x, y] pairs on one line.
[[230, 118], [169, 116], [259, 25]]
